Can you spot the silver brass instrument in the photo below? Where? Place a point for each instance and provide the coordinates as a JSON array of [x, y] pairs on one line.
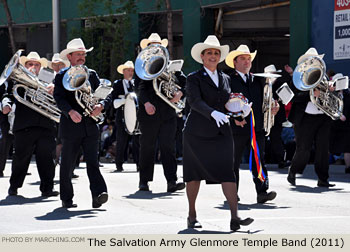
[[152, 64], [268, 101], [35, 94], [311, 74], [77, 79]]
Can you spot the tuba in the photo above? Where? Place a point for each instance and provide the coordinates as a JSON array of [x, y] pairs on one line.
[[310, 74], [35, 95], [152, 64], [77, 79]]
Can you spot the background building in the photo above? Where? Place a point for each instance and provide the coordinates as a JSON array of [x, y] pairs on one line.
[[280, 30]]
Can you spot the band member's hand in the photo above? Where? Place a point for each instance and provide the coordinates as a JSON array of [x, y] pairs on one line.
[[288, 69], [331, 88], [316, 92], [342, 118], [6, 110], [246, 109], [75, 116], [97, 110], [219, 117], [150, 109], [176, 97], [275, 108], [241, 123], [50, 88]]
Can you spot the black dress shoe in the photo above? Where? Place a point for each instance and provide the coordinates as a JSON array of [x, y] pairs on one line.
[[50, 194], [97, 201], [143, 186], [291, 178], [246, 221], [234, 224], [263, 197], [347, 170], [119, 169], [68, 204], [12, 191], [322, 183], [193, 224], [173, 186]]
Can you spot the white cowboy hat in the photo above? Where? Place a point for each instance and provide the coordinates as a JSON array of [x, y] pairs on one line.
[[126, 65], [241, 50], [56, 59], [336, 76], [271, 69], [211, 42], [153, 38], [75, 45], [33, 56], [310, 52]]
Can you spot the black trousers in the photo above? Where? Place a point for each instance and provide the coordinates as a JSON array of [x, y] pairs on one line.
[[242, 142], [123, 139], [6, 141], [40, 141], [165, 132], [70, 151], [312, 130], [276, 144]]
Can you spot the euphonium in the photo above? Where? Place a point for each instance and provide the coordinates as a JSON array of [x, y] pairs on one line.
[[77, 79], [311, 74], [35, 94], [152, 64]]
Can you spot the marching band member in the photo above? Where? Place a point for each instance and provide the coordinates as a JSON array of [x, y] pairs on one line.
[[242, 81], [157, 121], [33, 133], [120, 89], [207, 139], [77, 130], [6, 136], [57, 63], [311, 126]]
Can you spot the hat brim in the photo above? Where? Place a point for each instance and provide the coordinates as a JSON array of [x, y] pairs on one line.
[[121, 68], [144, 43], [304, 56], [198, 48], [42, 61], [65, 52], [232, 55], [65, 62]]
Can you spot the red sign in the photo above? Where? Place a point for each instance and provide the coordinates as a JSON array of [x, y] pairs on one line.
[[341, 5]]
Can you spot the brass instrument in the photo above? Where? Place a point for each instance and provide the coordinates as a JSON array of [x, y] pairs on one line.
[[311, 74], [152, 64], [35, 95], [77, 79], [268, 101]]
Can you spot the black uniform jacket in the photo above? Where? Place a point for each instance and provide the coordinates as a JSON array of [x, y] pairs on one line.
[[299, 103], [118, 89], [3, 118], [145, 93], [66, 101], [254, 93], [204, 97], [26, 117]]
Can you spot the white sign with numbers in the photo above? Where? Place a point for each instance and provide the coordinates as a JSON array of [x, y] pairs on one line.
[[341, 45]]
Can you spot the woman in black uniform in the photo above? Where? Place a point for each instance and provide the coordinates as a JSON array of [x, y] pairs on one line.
[[208, 142]]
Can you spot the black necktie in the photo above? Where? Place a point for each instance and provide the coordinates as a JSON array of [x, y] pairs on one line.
[[130, 86], [247, 79]]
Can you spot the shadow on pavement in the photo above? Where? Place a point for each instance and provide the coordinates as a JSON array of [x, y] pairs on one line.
[[267, 206], [65, 214], [196, 231], [20, 200], [309, 189], [150, 195]]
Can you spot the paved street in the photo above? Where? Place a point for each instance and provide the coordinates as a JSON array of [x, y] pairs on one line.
[[304, 209]]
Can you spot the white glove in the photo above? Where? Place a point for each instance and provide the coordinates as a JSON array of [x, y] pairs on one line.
[[246, 109], [219, 117], [118, 102]]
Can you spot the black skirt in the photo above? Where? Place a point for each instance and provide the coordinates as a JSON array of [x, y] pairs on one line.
[[208, 158]]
